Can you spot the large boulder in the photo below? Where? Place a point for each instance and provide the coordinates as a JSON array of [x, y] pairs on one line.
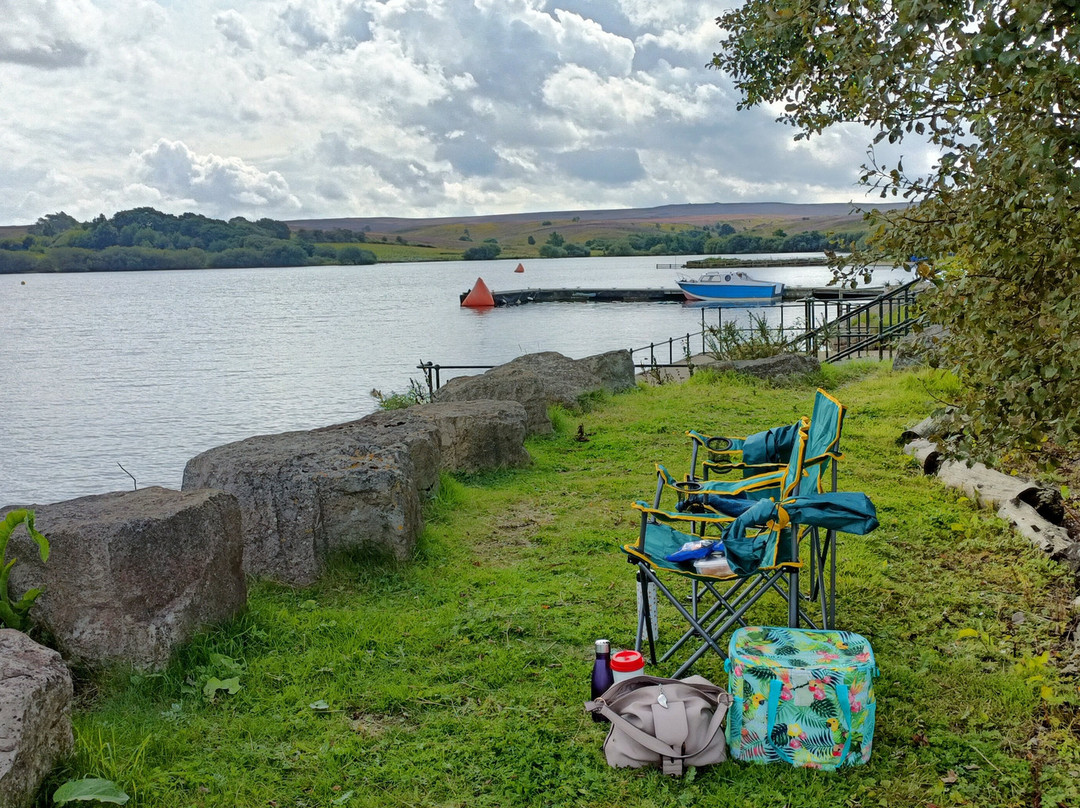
[[566, 380], [306, 496], [919, 348], [503, 383], [537, 380], [132, 574], [780, 366], [479, 435], [35, 716]]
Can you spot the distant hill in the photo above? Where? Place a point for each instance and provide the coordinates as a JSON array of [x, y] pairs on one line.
[[144, 238], [692, 214], [519, 235]]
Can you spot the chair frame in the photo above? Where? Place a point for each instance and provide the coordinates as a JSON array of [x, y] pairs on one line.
[[735, 601]]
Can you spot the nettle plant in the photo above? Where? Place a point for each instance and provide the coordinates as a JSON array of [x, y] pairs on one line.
[[14, 614]]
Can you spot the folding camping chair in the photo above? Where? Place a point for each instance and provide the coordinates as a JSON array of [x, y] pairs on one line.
[[757, 455], [811, 453], [760, 453], [733, 595]]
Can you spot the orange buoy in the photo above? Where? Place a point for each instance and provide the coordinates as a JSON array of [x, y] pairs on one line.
[[520, 268], [479, 296]]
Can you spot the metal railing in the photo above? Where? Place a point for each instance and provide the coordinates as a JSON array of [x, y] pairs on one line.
[[856, 330], [853, 329], [706, 333]]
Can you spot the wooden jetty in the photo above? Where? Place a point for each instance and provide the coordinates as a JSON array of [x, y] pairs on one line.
[[518, 297]]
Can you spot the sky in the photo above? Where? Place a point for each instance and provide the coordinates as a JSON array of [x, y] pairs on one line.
[[297, 109]]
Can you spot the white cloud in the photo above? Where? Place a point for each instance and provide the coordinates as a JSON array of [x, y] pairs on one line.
[[218, 183], [49, 34], [596, 102], [584, 42], [309, 108], [235, 28]]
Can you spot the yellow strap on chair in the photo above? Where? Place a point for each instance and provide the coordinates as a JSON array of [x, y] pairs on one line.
[[781, 521]]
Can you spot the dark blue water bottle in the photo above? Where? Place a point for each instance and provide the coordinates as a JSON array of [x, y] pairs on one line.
[[601, 673]]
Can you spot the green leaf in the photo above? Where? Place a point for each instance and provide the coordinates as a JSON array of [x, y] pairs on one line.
[[319, 706], [213, 685], [41, 541], [23, 606], [90, 790]]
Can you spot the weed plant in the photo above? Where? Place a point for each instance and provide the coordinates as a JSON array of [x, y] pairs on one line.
[[458, 678], [729, 341]]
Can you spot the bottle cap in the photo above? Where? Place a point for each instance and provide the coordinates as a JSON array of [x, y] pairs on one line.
[[627, 661], [603, 646]]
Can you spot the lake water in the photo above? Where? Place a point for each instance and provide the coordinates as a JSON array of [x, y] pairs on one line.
[[145, 370]]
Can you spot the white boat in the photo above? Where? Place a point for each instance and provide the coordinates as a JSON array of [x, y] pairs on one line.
[[728, 284]]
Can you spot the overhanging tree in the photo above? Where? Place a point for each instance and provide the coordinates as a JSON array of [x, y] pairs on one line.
[[996, 86]]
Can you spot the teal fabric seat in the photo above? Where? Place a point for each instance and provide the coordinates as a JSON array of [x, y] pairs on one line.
[[777, 511]]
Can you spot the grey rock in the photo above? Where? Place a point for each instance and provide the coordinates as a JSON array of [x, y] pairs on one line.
[[919, 349], [537, 380], [565, 380], [307, 495], [503, 383], [35, 716], [132, 574], [778, 366], [479, 435]]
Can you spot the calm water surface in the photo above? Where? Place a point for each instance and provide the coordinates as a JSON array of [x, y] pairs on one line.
[[148, 369]]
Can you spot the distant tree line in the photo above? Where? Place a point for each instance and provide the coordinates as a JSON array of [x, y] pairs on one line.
[[337, 235], [558, 247], [483, 252], [145, 238], [723, 239]]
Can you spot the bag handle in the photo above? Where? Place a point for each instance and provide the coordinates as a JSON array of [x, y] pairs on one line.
[[774, 703], [650, 742]]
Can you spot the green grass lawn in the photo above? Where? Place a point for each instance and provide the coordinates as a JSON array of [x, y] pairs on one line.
[[458, 679]]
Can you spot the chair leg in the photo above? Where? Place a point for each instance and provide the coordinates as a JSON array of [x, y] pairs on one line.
[[793, 580], [696, 625], [830, 541], [822, 552], [728, 601], [645, 616], [716, 629], [818, 589]]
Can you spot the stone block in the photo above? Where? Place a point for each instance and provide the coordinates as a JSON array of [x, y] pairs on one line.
[[132, 574], [479, 435], [305, 496], [35, 716]]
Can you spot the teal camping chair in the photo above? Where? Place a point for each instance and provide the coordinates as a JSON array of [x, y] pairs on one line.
[[757, 457], [808, 452], [663, 532]]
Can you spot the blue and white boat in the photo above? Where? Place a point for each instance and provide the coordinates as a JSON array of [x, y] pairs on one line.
[[726, 284]]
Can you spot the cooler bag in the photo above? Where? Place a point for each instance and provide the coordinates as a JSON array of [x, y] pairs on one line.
[[801, 696]]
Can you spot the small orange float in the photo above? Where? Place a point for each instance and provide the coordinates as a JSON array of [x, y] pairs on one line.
[[520, 268]]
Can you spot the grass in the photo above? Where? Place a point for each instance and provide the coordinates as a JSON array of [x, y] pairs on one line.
[[392, 252], [458, 679]]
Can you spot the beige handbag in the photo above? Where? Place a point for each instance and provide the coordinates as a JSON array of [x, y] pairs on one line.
[[670, 723]]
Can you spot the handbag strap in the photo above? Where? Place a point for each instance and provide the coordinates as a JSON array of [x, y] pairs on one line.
[[650, 742]]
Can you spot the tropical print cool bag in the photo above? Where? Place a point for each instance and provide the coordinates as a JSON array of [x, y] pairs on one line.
[[801, 696]]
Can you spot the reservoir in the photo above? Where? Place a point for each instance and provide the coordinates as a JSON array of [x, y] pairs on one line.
[[118, 373]]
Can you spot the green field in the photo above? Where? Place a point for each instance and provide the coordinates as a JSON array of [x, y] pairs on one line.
[[457, 679]]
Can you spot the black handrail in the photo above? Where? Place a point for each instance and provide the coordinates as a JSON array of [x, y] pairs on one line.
[[897, 302]]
